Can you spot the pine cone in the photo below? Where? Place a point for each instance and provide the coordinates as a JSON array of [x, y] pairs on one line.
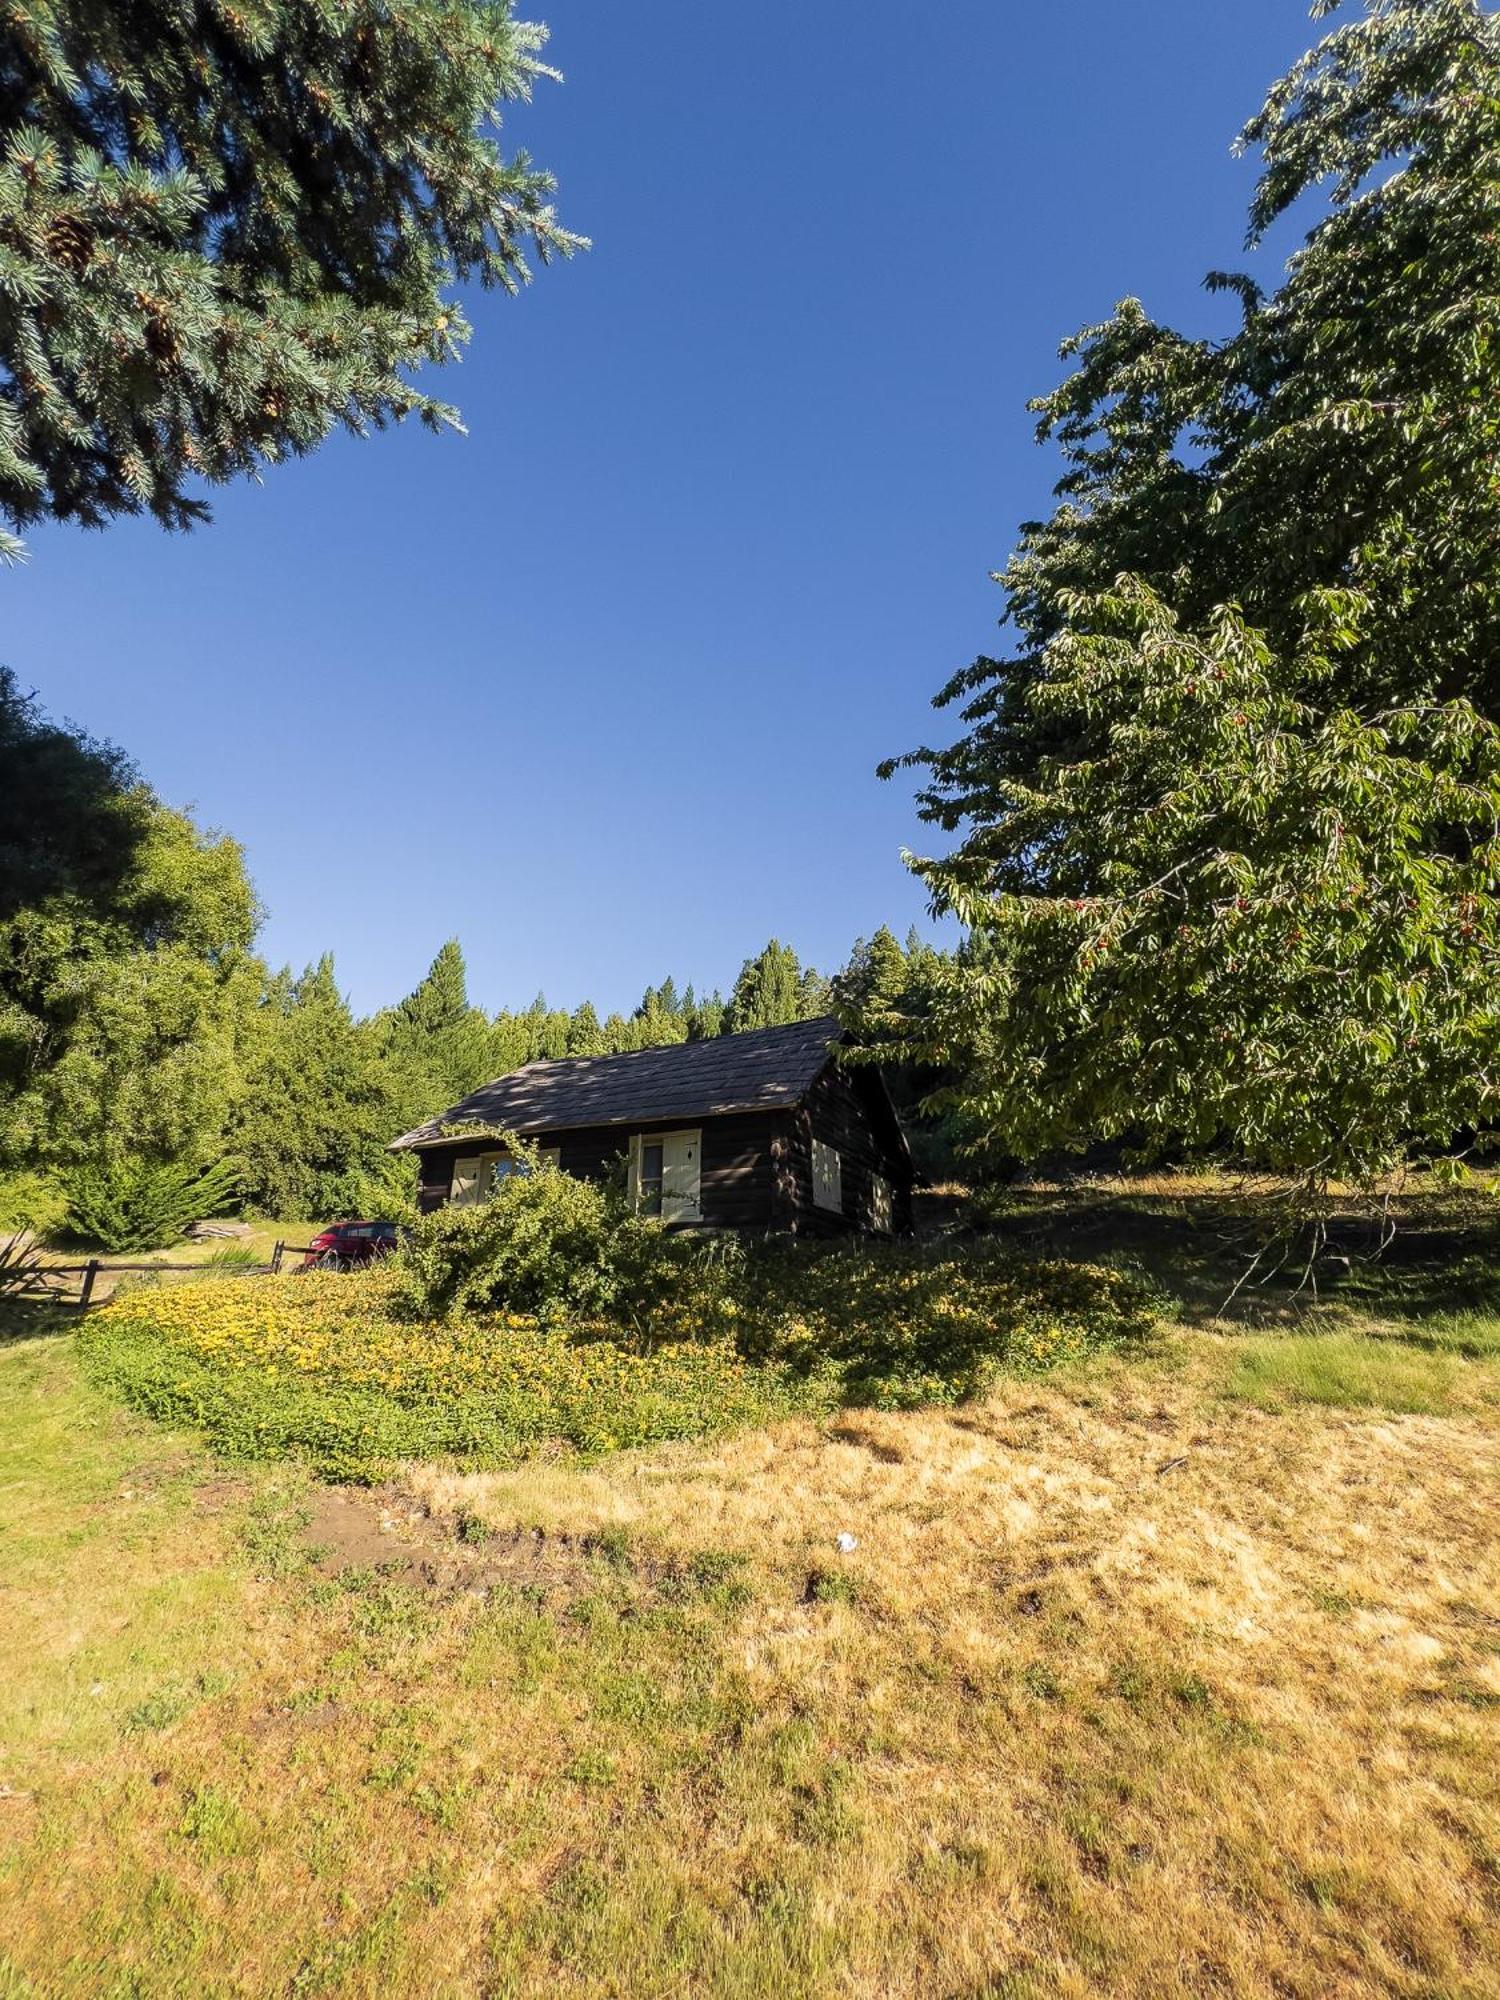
[[70, 242]]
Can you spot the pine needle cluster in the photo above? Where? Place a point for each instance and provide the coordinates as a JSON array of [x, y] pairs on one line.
[[229, 226]]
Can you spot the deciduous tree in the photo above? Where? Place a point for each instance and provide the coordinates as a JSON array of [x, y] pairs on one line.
[[1229, 810], [127, 977]]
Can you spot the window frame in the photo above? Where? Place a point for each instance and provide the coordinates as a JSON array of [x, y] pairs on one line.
[[639, 1142], [650, 1142], [485, 1176]]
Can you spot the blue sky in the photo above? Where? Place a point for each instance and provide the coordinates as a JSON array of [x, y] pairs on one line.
[[600, 687]]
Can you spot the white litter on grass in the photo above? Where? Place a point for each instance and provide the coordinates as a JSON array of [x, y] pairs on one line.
[[846, 1543]]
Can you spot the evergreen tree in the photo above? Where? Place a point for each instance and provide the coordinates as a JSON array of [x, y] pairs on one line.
[[510, 1042], [585, 1035], [618, 1035], [872, 984], [437, 1047], [553, 1027], [318, 1111], [772, 990], [224, 232], [814, 994], [659, 1020], [883, 998], [1228, 812], [705, 1018]]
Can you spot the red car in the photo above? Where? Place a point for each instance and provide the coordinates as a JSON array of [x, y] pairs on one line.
[[343, 1246]]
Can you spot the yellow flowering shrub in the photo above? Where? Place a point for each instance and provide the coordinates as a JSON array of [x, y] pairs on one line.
[[325, 1364], [314, 1363]]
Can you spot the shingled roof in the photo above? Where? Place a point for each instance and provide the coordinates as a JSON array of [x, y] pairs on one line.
[[766, 1069]]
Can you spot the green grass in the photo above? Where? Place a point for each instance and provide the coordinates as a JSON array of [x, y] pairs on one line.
[[1414, 1329], [1175, 1670], [1358, 1371], [1475, 1335], [1197, 1235]]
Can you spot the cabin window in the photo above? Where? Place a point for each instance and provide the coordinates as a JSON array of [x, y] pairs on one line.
[[648, 1185], [666, 1175], [828, 1177], [882, 1205], [474, 1178]]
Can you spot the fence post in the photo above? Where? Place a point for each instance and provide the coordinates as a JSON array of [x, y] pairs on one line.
[[276, 1258], [86, 1289]]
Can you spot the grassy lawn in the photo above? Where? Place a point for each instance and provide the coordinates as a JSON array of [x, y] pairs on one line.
[[1169, 1673]]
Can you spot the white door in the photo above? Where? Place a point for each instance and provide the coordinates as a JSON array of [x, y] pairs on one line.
[[681, 1179], [467, 1177]]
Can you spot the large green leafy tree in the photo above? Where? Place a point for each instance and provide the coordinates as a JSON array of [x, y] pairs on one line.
[[127, 979], [226, 229], [1228, 812]]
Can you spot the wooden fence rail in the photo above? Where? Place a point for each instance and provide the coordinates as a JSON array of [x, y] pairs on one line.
[[88, 1274]]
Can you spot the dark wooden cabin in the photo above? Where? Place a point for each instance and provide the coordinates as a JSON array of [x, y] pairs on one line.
[[760, 1131]]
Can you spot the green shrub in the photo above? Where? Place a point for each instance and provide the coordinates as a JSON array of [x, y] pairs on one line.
[[31, 1201], [20, 1266], [127, 1205], [387, 1192], [547, 1245]]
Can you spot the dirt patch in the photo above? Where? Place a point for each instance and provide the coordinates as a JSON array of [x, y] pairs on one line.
[[150, 1476], [290, 1719], [389, 1530], [219, 1495]]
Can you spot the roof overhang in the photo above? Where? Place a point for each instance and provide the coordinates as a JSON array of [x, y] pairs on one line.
[[424, 1141]]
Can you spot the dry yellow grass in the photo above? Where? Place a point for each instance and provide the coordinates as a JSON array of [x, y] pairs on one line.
[[1127, 1689], [1212, 1727]]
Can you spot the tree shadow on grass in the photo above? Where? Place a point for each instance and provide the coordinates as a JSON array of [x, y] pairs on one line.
[[906, 1323], [31, 1318], [1443, 1256]]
